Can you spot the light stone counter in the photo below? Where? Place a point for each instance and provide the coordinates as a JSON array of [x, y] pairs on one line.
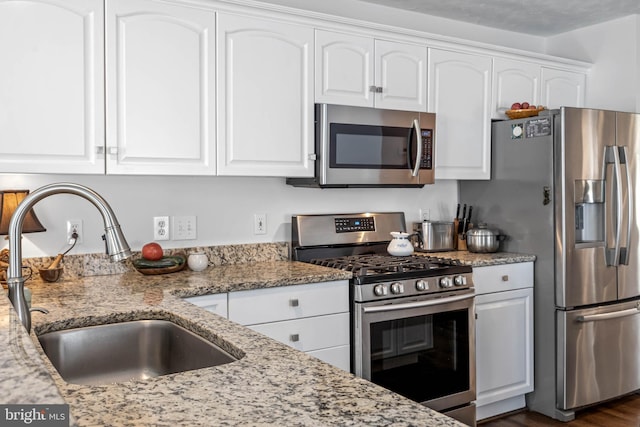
[[271, 384]]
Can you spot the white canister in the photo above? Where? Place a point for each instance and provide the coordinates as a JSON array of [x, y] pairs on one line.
[[198, 261], [400, 245]]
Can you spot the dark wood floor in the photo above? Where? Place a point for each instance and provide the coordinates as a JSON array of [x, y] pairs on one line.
[[623, 412]]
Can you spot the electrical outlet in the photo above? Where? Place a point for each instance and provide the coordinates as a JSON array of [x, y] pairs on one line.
[[184, 227], [260, 223], [74, 226], [425, 214], [161, 228]]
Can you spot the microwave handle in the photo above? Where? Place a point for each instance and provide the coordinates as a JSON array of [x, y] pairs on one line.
[[416, 129]]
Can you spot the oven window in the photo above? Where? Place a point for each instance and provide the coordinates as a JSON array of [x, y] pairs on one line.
[[424, 357], [368, 147]]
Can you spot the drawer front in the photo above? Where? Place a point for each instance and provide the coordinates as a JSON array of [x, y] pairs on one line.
[[311, 333], [505, 277], [288, 302], [216, 303], [336, 356]]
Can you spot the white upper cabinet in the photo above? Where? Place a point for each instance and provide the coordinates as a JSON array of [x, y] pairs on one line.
[[361, 71], [562, 88], [51, 86], [514, 81], [160, 88], [460, 95], [265, 97]]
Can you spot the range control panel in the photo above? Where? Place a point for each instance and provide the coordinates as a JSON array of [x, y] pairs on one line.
[[346, 225]]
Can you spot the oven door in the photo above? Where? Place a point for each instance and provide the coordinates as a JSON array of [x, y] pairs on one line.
[[423, 349]]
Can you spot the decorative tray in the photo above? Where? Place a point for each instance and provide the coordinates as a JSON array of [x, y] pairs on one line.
[[165, 265], [521, 114]]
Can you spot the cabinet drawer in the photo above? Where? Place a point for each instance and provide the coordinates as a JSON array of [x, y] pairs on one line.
[[336, 356], [216, 303], [506, 277], [311, 333], [288, 302]]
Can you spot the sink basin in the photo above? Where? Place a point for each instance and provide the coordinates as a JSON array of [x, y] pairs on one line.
[[120, 352]]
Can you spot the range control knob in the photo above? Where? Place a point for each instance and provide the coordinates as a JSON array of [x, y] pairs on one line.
[[459, 280], [446, 282], [397, 288], [422, 285], [380, 290]]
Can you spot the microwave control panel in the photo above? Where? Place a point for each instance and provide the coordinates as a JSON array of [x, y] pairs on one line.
[[427, 149]]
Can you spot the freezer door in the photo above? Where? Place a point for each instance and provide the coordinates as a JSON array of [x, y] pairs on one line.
[[584, 148], [597, 354], [628, 140]]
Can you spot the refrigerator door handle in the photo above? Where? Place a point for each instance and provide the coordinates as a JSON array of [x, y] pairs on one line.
[[606, 316], [615, 256], [624, 251]]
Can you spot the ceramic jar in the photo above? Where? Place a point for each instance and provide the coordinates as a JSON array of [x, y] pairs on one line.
[[198, 261]]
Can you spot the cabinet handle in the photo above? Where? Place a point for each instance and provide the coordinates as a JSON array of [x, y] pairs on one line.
[[294, 302], [294, 337], [505, 278], [312, 156], [99, 150], [112, 150], [379, 89], [373, 89]]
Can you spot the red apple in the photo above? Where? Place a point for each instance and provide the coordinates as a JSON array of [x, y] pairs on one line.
[[533, 107], [516, 106], [525, 105], [152, 251]]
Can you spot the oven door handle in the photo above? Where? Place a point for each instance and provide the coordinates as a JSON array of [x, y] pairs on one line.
[[417, 304]]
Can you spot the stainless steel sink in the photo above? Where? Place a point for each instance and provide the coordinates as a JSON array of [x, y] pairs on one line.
[[119, 352]]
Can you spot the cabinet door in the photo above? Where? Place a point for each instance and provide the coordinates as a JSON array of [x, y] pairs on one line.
[[265, 78], [215, 303], [562, 88], [460, 94], [344, 69], [514, 81], [504, 345], [160, 89], [51, 86], [401, 73]]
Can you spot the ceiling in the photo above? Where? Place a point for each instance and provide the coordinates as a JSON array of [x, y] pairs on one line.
[[536, 17]]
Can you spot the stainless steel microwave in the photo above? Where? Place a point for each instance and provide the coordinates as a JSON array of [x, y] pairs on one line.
[[371, 147]]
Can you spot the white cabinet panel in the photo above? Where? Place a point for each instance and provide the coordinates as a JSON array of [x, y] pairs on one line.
[[215, 303], [401, 71], [460, 94], [504, 345], [309, 333], [514, 81], [160, 89], [344, 69], [288, 302], [340, 357], [265, 81], [562, 88], [51, 86]]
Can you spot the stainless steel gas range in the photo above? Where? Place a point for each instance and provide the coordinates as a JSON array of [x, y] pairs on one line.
[[412, 317]]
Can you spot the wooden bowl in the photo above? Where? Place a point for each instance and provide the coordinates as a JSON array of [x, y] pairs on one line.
[[521, 114]]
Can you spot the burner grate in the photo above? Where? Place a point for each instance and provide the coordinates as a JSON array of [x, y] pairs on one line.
[[365, 265]]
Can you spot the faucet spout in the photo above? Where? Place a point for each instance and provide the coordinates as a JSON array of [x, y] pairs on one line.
[[117, 246]]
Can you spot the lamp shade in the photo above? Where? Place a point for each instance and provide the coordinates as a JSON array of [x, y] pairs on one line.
[[9, 201]]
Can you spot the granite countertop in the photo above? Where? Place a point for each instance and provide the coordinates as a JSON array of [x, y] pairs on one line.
[[271, 384]]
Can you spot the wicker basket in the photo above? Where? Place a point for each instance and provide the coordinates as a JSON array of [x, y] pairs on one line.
[[521, 114]]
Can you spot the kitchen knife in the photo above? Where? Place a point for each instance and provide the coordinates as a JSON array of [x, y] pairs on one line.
[[458, 212], [467, 221], [461, 223]]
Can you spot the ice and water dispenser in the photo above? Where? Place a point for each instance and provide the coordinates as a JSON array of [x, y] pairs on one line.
[[589, 205]]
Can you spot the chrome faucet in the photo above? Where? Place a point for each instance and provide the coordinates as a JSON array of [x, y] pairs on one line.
[[117, 246]]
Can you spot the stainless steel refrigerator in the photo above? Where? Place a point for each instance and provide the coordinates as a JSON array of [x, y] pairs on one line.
[[563, 187]]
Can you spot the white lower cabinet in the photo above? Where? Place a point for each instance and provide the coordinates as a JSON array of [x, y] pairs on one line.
[[504, 337], [215, 303], [313, 318]]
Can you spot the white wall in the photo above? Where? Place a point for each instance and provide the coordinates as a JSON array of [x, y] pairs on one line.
[[612, 47], [224, 207]]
